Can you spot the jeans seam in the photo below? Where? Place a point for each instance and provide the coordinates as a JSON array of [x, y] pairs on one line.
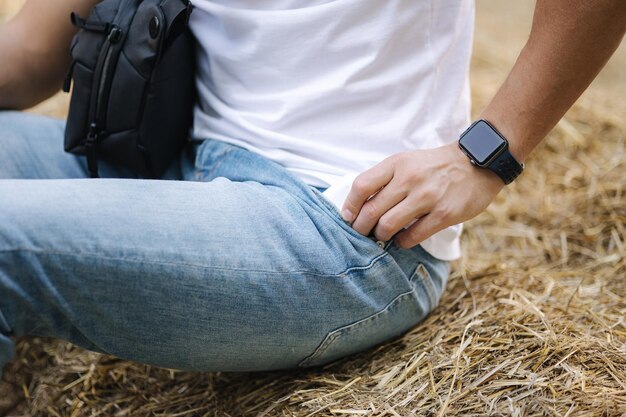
[[349, 270]]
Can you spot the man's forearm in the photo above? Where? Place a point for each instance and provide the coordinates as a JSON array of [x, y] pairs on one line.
[[20, 86], [570, 42], [34, 51], [8, 88]]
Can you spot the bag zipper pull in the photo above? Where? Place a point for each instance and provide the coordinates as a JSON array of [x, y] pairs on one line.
[[90, 147], [115, 34]]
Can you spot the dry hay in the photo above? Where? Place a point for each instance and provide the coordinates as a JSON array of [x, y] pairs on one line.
[[532, 322]]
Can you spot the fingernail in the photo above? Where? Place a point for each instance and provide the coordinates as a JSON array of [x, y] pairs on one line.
[[347, 215]]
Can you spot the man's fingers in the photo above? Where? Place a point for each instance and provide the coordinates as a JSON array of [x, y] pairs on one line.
[[421, 230], [399, 216], [372, 210], [364, 185]]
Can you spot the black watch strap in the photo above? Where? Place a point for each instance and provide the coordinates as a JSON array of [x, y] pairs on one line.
[[506, 167]]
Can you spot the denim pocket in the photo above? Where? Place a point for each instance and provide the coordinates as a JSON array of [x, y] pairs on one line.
[[368, 332], [334, 213], [401, 314]]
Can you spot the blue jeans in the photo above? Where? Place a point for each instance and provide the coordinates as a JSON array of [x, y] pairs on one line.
[[228, 263]]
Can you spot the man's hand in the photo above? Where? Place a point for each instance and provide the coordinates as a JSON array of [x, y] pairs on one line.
[[569, 43], [439, 187]]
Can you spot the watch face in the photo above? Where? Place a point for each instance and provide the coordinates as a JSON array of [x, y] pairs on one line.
[[482, 143]]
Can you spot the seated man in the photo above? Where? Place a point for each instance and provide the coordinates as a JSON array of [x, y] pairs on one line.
[[247, 255]]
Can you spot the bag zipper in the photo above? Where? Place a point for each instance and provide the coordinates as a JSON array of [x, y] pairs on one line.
[[99, 98]]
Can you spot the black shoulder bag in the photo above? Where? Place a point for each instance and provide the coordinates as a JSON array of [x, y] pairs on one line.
[[133, 94]]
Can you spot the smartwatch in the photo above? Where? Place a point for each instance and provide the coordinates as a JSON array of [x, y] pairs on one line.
[[487, 148]]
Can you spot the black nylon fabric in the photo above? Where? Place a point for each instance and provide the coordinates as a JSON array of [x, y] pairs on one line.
[[133, 84]]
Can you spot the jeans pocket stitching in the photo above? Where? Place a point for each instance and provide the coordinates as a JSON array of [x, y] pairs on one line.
[[333, 335], [426, 279], [4, 324]]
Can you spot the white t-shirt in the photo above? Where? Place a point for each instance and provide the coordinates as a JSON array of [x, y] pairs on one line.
[[329, 88]]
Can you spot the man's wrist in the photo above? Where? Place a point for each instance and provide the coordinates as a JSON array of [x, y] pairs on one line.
[[459, 158]]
